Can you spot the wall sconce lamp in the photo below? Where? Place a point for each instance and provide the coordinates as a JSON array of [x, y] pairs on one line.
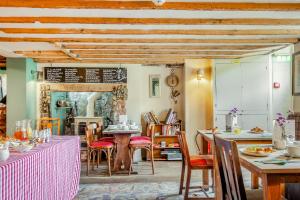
[[200, 74]]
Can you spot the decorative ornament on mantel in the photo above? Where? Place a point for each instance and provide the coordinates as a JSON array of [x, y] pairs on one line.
[[158, 2]]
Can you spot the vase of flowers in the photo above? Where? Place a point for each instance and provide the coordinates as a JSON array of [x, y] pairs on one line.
[[231, 119], [279, 135]]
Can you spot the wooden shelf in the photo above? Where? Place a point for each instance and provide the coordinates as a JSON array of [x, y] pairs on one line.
[[168, 139]]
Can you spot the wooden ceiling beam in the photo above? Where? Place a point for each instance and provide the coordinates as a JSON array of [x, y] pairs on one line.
[[41, 53], [126, 61], [155, 56], [144, 5], [152, 32], [133, 40], [147, 21], [169, 47], [154, 52], [2, 64]]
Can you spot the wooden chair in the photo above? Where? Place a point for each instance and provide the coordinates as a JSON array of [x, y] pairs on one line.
[[198, 162], [97, 130], [142, 142], [230, 172], [94, 147]]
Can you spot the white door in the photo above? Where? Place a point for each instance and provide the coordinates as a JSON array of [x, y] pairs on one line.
[[282, 98], [255, 84], [228, 86], [255, 95]]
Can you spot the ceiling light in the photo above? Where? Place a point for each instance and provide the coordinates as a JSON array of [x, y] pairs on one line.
[[158, 2]]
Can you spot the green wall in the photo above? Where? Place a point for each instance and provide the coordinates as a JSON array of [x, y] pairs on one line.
[[21, 91]]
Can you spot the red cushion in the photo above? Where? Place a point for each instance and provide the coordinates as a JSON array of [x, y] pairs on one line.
[[202, 162], [100, 144], [140, 142], [107, 139], [140, 138]]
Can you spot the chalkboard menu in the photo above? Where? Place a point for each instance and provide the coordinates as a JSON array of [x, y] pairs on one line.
[[85, 75]]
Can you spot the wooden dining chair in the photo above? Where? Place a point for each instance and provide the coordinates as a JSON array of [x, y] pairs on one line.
[[142, 142], [97, 129], [94, 147], [229, 169], [198, 162]]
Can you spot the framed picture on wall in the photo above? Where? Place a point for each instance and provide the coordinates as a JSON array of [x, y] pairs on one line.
[[296, 74], [155, 86]]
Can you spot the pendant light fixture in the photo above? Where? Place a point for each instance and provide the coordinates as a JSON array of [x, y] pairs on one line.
[[158, 2]]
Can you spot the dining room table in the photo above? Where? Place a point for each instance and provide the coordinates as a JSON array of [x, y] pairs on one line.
[[275, 170], [122, 139], [48, 171], [242, 138]]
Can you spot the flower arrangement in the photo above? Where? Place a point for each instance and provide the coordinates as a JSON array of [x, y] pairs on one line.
[[281, 120], [233, 111]]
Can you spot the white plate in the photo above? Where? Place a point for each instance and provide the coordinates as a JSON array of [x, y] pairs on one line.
[[243, 150], [288, 155], [256, 132]]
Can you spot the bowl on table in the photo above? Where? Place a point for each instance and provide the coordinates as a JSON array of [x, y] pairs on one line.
[[294, 150], [112, 127], [4, 154], [23, 147]]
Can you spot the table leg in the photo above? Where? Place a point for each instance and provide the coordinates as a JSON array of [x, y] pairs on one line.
[[254, 181], [271, 187], [204, 150], [122, 159]]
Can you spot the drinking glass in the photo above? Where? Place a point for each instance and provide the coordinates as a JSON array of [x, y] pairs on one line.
[[290, 139], [35, 134]]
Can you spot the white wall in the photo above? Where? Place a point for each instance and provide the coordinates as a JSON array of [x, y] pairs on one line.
[[198, 100]]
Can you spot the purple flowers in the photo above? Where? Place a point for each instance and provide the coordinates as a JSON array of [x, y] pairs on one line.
[[281, 120], [234, 111]]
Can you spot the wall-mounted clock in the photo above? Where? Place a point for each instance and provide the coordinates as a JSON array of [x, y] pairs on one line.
[[172, 80]]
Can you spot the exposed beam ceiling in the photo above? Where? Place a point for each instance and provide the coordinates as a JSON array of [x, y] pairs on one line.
[[153, 31], [144, 5], [169, 47], [131, 40], [150, 21], [125, 31]]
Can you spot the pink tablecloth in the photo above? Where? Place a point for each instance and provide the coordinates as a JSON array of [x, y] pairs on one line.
[[49, 171]]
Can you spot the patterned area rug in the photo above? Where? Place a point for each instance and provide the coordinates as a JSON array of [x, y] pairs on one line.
[[134, 191]]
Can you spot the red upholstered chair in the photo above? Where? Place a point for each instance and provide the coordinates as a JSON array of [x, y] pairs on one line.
[[198, 162], [97, 130], [142, 142], [94, 147]]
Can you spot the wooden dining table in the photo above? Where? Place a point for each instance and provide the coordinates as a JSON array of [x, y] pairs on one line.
[[122, 138], [244, 138], [273, 176]]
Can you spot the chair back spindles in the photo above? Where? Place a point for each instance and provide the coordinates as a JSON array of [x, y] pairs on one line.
[[89, 136], [183, 146], [150, 131], [229, 169]]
